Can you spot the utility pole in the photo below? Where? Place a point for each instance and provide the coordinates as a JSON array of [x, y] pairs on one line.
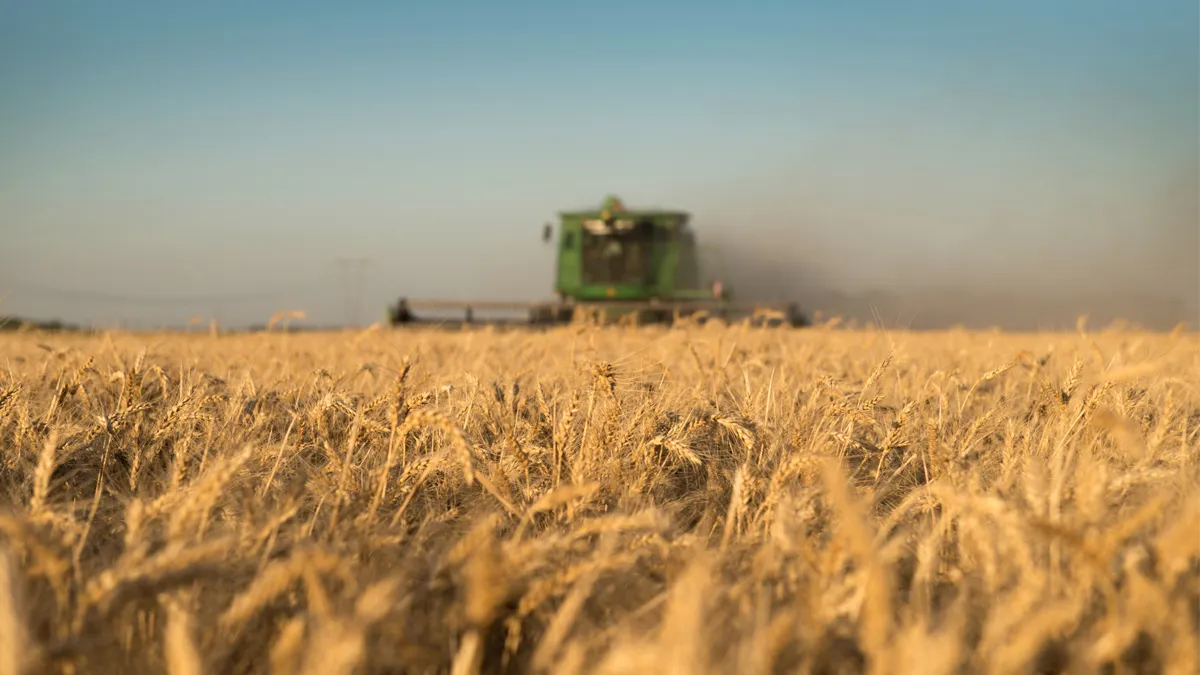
[[353, 280]]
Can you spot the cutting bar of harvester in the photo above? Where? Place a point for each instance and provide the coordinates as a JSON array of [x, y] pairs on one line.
[[646, 311]]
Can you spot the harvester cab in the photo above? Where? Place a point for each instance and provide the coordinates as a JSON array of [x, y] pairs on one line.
[[614, 253]]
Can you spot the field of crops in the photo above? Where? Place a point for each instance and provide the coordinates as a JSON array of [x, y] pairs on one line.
[[600, 500]]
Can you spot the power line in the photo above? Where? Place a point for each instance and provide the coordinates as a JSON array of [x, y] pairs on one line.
[[354, 272], [137, 298]]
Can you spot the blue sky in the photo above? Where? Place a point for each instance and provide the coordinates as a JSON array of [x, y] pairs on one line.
[[225, 155]]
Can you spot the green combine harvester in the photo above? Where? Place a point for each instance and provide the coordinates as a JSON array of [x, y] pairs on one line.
[[615, 263]]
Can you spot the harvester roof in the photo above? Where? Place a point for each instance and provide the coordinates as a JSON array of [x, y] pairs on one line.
[[613, 207]]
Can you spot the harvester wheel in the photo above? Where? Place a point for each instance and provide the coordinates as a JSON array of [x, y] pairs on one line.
[[400, 313]]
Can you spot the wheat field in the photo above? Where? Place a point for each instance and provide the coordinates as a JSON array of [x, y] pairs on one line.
[[601, 500]]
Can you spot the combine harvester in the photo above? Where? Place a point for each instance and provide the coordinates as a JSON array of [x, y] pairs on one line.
[[615, 263]]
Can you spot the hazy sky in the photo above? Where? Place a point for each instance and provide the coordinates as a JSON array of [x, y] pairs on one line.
[[222, 156]]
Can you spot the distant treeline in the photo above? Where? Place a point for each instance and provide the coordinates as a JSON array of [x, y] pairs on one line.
[[16, 323], [13, 324]]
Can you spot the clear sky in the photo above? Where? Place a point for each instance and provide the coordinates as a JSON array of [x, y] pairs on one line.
[[222, 156]]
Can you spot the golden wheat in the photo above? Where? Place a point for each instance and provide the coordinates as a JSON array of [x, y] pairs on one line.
[[704, 499]]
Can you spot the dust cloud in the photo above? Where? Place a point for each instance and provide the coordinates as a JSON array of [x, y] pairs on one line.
[[906, 255]]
